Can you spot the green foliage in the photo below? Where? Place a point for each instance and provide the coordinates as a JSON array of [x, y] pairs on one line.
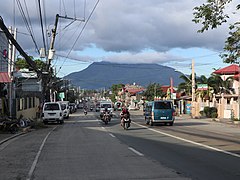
[[186, 86], [232, 45], [115, 89], [22, 63], [153, 90], [211, 15], [210, 112]]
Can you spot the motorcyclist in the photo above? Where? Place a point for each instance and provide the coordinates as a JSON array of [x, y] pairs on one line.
[[105, 111], [125, 112], [85, 110]]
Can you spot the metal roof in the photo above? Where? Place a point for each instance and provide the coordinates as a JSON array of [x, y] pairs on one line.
[[4, 77]]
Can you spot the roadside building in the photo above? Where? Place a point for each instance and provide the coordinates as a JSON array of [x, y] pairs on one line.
[[28, 94], [4, 76]]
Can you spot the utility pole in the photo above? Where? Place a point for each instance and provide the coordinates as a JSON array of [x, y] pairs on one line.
[[239, 90], [11, 60], [193, 82], [10, 37], [193, 90], [52, 51]]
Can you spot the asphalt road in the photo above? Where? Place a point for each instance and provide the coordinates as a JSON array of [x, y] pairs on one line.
[[85, 148]]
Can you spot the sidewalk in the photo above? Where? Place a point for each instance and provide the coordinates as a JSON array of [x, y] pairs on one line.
[[217, 120], [6, 136]]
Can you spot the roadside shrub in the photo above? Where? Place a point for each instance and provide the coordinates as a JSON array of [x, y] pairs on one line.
[[206, 111], [202, 113], [210, 112]]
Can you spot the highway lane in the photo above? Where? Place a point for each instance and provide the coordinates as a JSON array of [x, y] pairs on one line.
[[195, 148], [86, 148]]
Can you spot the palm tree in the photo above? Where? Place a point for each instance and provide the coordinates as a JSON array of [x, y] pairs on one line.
[[186, 86], [219, 85]]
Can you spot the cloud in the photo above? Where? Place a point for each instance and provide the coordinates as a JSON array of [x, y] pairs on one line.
[[142, 57], [121, 26]]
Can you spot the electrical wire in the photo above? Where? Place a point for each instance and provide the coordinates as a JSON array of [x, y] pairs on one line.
[[41, 22], [95, 6], [27, 24]]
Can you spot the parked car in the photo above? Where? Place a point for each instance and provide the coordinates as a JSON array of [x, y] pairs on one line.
[[52, 112], [65, 108], [72, 107], [159, 112]]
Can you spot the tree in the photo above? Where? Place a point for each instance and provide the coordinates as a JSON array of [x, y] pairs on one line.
[[212, 15], [186, 86], [219, 85], [22, 63], [115, 89], [152, 91]]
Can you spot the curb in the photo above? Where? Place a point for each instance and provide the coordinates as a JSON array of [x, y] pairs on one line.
[[24, 131], [11, 137]]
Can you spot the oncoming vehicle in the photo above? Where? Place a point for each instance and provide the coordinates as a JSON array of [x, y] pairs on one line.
[[118, 106], [161, 111], [52, 112], [104, 105]]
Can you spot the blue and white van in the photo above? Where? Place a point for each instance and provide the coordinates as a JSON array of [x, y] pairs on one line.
[[161, 111]]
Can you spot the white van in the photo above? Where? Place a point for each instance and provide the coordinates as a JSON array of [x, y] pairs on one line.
[[106, 104], [52, 112], [103, 105], [65, 108]]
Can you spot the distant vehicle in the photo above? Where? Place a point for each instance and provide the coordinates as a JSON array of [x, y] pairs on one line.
[[65, 108], [72, 107], [80, 106], [159, 112], [118, 106], [103, 105], [97, 107], [52, 112]]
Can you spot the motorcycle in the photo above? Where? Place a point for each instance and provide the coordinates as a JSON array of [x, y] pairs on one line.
[[85, 112], [106, 118], [125, 122]]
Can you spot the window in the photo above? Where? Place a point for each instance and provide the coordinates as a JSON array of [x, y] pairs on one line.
[[51, 107], [163, 105]]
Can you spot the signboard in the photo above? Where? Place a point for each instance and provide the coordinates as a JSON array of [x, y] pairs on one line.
[[174, 96], [202, 87], [61, 95]]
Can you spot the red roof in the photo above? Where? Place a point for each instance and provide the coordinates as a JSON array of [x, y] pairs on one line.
[[236, 76], [134, 91], [165, 89], [4, 78], [232, 69]]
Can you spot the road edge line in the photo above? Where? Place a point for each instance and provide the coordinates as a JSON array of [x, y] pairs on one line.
[[30, 173]]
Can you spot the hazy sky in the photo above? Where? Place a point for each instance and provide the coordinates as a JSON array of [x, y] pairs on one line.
[[123, 31]]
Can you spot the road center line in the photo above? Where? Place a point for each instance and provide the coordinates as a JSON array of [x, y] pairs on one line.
[[30, 173], [189, 141], [135, 151]]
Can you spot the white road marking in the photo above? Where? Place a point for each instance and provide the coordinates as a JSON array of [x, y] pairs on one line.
[[112, 135], [30, 173], [191, 142], [135, 151]]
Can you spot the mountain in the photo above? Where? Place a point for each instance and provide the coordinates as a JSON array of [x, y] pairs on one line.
[[104, 74]]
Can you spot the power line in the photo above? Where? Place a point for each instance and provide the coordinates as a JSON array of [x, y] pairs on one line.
[[27, 24], [80, 32], [41, 22]]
